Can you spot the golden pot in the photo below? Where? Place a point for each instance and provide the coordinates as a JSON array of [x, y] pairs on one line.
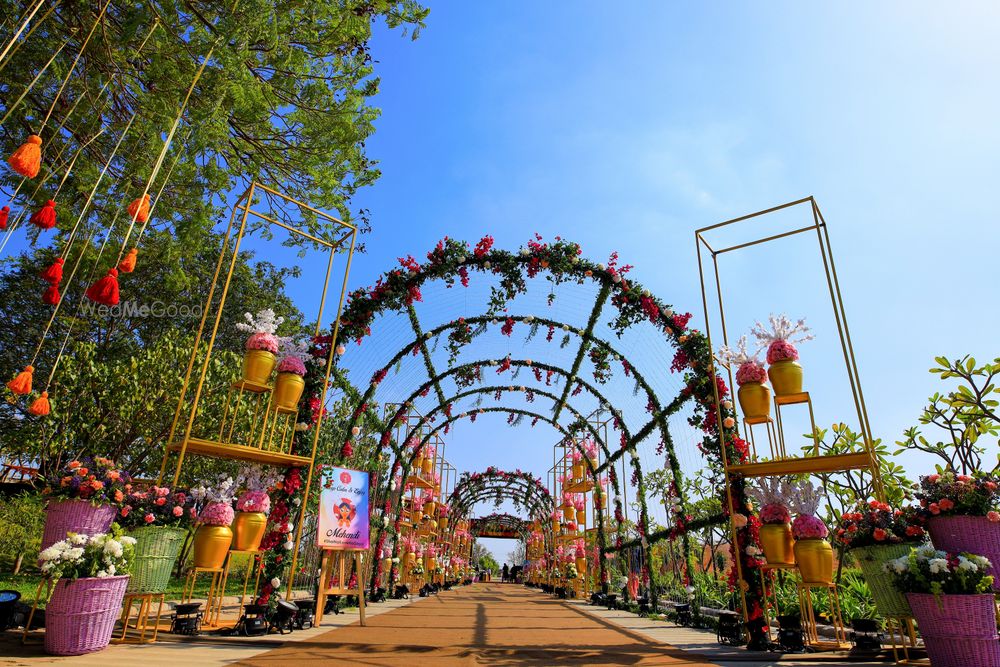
[[444, 522], [786, 377], [288, 390], [815, 559], [578, 470], [257, 366], [555, 525], [776, 540], [427, 467], [432, 563], [430, 508], [418, 463], [211, 544], [755, 400], [581, 517], [248, 530], [581, 566]]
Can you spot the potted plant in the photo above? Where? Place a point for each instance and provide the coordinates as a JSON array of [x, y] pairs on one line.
[[961, 513], [84, 497], [87, 598], [813, 553], [577, 466], [783, 370], [158, 519], [580, 504], [253, 506], [570, 571], [556, 517], [213, 536], [754, 395], [776, 521], [873, 534], [443, 511], [952, 600], [290, 382], [261, 347]]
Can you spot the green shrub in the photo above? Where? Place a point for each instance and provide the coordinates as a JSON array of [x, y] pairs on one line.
[[21, 520]]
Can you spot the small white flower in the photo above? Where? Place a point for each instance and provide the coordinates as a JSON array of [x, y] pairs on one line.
[[78, 539], [276, 583], [289, 545], [101, 574], [296, 501], [125, 539], [938, 565], [966, 564]]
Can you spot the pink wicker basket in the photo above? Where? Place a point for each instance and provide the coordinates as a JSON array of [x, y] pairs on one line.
[[958, 630], [974, 534], [75, 516], [81, 614]]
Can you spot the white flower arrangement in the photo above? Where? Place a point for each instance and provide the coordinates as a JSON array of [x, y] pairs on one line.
[[77, 556], [265, 321]]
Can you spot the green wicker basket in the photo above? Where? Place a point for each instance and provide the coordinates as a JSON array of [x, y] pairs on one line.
[[888, 600], [156, 551]]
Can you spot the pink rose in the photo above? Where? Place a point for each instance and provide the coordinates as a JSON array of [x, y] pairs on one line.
[[126, 510], [935, 508], [160, 501], [178, 510], [993, 516], [945, 504], [933, 478], [150, 518]]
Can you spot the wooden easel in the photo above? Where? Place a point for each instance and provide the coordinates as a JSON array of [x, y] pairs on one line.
[[335, 575]]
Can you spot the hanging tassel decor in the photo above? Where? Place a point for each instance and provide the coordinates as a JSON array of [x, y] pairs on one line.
[[40, 406], [138, 210], [127, 265], [45, 217], [54, 274], [21, 384], [4, 213], [105, 290], [52, 295], [27, 159]]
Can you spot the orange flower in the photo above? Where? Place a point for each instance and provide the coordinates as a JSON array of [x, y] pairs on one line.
[[119, 496], [97, 485], [113, 475], [73, 464], [878, 534], [82, 472], [945, 504], [65, 481]]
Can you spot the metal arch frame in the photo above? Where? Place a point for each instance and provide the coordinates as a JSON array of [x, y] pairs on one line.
[[465, 494], [506, 520]]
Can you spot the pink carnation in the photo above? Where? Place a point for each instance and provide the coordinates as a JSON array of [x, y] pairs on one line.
[[751, 372], [775, 513], [292, 365], [781, 350], [217, 514], [807, 527], [254, 501], [263, 341]]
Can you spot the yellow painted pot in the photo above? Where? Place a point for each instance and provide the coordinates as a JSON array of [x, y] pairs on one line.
[[257, 366], [211, 544], [444, 522], [786, 377], [427, 467], [248, 530], [755, 400], [430, 508], [815, 559], [578, 470], [776, 540], [288, 390], [418, 463], [555, 525], [581, 517], [581, 566]]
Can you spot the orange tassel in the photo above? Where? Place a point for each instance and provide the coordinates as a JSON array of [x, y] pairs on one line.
[[53, 274], [127, 265], [21, 384], [105, 290], [4, 212], [40, 406], [45, 217], [51, 295], [27, 159], [138, 210]]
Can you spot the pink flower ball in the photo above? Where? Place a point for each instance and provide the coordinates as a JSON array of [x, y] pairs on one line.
[[751, 373], [217, 514], [993, 516], [292, 365], [781, 350], [178, 510], [807, 527], [263, 341]]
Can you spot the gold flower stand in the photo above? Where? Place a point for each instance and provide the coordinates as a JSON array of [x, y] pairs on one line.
[[904, 638], [213, 602], [795, 399], [774, 444], [142, 617], [808, 616], [253, 563]]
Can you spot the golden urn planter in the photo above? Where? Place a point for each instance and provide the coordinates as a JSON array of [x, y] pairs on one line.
[[211, 544], [786, 377], [257, 366], [815, 559], [248, 530], [444, 522], [555, 525], [430, 508], [581, 566], [288, 390], [755, 400], [777, 543], [578, 470], [427, 467], [418, 464], [581, 517]]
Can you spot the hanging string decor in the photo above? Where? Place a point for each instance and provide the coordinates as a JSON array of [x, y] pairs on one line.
[[4, 214], [53, 276], [27, 159], [138, 210], [21, 384], [40, 406], [105, 290], [45, 217], [127, 265]]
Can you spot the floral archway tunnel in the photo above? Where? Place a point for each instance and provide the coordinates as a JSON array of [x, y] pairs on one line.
[[540, 337]]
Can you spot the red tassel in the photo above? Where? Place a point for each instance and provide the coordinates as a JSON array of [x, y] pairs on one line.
[[51, 295], [45, 217], [127, 265], [27, 159], [40, 407], [53, 274], [4, 212], [21, 384], [105, 290], [139, 209]]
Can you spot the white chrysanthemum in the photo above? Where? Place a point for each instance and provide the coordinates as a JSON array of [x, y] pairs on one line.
[[125, 539], [289, 545], [50, 553], [966, 564], [938, 565], [926, 551], [113, 548], [276, 583], [78, 539], [74, 553]]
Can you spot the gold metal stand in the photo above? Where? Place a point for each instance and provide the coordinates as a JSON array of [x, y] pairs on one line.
[[252, 561], [142, 617], [808, 615], [213, 602]]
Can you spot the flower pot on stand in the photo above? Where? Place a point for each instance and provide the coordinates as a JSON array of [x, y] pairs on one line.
[[418, 464], [257, 366], [211, 545], [555, 525], [288, 390], [815, 559], [578, 470], [427, 467], [786, 377], [581, 565], [777, 542], [81, 614], [889, 601], [444, 522], [755, 400], [973, 534], [75, 516], [156, 551], [581, 517], [958, 630], [248, 530], [430, 508]]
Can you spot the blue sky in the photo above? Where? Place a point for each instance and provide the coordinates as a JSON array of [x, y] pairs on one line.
[[627, 127]]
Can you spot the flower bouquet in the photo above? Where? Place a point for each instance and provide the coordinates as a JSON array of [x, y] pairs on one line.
[[261, 347], [253, 506], [776, 530], [83, 498], [214, 536], [784, 370], [291, 373], [158, 519], [87, 599], [753, 394], [951, 598], [961, 513], [812, 552]]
